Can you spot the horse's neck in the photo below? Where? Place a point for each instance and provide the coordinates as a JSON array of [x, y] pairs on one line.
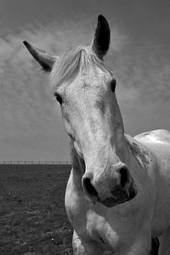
[[137, 151]]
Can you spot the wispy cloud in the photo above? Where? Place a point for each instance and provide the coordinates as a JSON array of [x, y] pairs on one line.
[[144, 75]]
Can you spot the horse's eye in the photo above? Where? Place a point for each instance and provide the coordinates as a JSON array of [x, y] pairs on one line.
[[113, 85], [58, 98]]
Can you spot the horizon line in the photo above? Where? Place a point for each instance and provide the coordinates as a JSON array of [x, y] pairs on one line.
[[34, 162]]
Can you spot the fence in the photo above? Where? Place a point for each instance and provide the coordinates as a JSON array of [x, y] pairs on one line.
[[27, 162]]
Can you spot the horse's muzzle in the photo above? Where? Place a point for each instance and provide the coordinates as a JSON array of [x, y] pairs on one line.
[[115, 187], [120, 195]]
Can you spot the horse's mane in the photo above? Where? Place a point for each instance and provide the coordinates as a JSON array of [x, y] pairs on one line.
[[73, 62]]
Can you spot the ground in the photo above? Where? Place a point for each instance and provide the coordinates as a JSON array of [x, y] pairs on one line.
[[32, 214]]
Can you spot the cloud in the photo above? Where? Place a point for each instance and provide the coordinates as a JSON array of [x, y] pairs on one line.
[[144, 93]]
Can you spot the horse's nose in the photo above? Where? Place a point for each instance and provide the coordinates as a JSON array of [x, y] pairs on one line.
[[124, 176], [88, 188], [113, 186]]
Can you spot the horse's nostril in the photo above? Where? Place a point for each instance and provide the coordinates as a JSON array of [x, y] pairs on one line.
[[89, 188], [124, 176]]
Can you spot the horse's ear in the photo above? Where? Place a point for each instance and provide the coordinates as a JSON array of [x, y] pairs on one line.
[[101, 40], [45, 60]]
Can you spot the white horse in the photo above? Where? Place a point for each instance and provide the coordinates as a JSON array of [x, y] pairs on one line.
[[118, 193]]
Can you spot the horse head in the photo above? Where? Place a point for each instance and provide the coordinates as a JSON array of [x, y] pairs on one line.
[[85, 89]]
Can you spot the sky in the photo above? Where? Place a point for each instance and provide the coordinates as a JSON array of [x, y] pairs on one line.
[[31, 126]]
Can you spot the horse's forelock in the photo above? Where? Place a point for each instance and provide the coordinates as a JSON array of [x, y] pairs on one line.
[[71, 63]]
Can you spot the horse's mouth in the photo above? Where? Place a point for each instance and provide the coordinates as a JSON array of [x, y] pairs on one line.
[[120, 196]]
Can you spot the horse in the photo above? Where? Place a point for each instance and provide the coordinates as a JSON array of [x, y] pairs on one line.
[[118, 193]]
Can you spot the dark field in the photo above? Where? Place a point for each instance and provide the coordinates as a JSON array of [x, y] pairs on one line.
[[32, 215]]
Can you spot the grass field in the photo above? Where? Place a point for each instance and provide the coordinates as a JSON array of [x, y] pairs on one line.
[[32, 215]]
